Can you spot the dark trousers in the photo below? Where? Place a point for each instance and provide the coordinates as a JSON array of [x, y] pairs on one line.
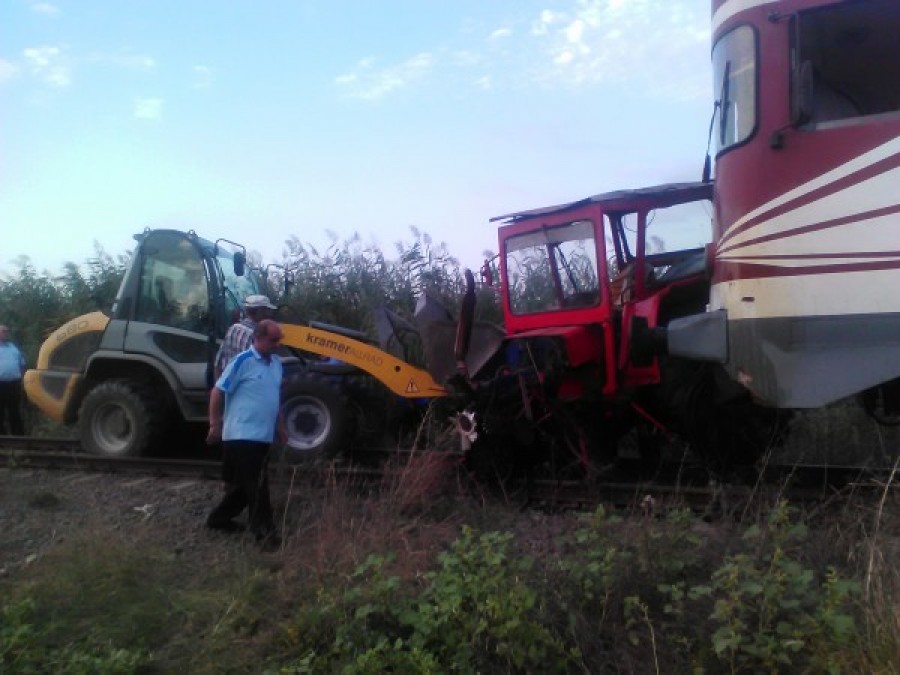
[[245, 469], [11, 407]]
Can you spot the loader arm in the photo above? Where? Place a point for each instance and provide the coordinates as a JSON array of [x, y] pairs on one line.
[[398, 376]]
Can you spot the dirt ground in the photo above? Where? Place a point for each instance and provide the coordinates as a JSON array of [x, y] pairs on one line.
[[40, 509]]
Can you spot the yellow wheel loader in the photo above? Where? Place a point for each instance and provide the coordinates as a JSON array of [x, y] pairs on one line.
[[127, 379]]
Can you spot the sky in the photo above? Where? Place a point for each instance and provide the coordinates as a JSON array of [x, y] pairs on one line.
[[261, 121]]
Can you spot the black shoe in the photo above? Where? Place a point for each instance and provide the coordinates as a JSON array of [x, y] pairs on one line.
[[224, 525]]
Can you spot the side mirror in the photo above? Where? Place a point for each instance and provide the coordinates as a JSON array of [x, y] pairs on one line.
[[803, 95], [240, 262]]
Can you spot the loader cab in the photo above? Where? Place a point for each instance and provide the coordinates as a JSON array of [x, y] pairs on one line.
[[174, 305], [185, 282], [126, 376]]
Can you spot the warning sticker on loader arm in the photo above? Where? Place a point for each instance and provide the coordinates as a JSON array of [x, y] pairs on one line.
[[398, 376]]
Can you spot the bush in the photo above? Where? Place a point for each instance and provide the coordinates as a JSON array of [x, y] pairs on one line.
[[766, 610], [23, 649], [475, 613]]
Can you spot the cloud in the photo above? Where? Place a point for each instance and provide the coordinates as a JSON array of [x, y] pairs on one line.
[[49, 64], [544, 22], [564, 57], [134, 61], [652, 43], [7, 71], [574, 32], [148, 108], [653, 46], [368, 83], [46, 8], [465, 58]]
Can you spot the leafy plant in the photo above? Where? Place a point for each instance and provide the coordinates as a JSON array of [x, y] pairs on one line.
[[23, 648], [592, 566], [768, 611], [475, 613]]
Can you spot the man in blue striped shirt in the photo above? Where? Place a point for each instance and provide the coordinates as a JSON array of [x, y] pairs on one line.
[[245, 415], [239, 336]]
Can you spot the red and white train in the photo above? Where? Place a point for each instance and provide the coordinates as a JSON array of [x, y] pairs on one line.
[[798, 295], [806, 228]]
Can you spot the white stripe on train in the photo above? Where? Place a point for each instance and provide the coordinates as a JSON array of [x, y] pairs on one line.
[[863, 161], [846, 293], [865, 236]]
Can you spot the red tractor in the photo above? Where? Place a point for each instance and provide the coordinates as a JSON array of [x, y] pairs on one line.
[[602, 338]]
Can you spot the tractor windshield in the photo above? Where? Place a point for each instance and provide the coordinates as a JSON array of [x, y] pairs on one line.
[[553, 268]]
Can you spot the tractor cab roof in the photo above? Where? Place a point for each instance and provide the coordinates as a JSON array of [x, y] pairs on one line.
[[657, 196]]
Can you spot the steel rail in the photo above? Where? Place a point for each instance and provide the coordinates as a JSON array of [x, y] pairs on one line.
[[805, 484]]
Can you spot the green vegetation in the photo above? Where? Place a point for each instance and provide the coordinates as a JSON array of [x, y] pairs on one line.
[[34, 304], [451, 584]]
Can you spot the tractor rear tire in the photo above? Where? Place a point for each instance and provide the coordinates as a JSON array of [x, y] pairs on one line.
[[118, 418], [317, 418]]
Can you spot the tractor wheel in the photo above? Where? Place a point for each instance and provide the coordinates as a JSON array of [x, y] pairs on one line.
[[118, 418], [316, 417]]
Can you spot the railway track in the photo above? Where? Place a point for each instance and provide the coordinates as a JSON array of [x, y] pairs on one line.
[[712, 499], [65, 454], [692, 490]]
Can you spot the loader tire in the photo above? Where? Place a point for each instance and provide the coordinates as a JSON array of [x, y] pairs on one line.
[[316, 415], [118, 418]]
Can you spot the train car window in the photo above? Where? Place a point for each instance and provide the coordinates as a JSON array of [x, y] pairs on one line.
[[847, 61], [734, 78]]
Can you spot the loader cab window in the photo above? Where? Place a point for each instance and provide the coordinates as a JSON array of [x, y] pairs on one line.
[[553, 268], [236, 287], [846, 62], [173, 287], [734, 60]]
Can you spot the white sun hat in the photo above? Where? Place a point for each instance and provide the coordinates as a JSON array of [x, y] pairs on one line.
[[258, 301]]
